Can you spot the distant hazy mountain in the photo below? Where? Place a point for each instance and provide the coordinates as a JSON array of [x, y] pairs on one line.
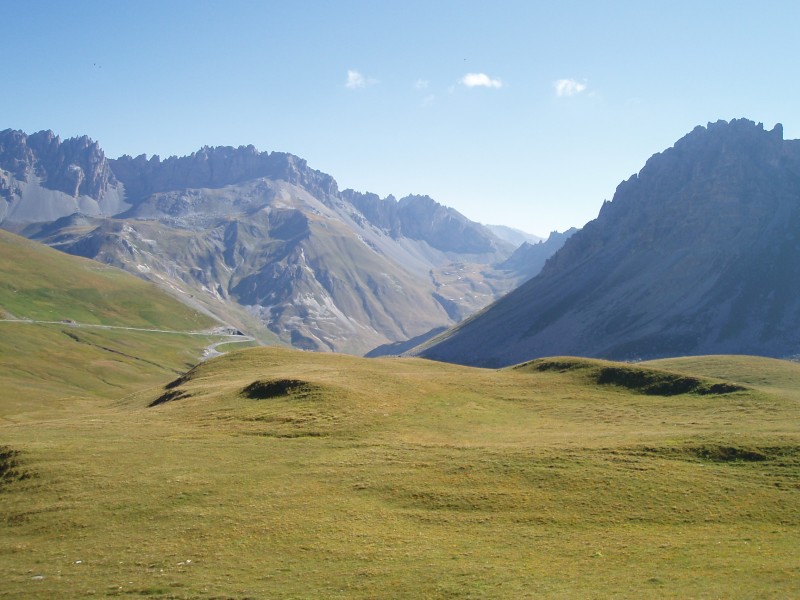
[[529, 258], [514, 236], [699, 253], [259, 239]]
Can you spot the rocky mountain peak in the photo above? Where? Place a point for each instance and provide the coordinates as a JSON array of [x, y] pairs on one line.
[[216, 167], [733, 148], [260, 239], [696, 254], [420, 217], [76, 166], [712, 184]]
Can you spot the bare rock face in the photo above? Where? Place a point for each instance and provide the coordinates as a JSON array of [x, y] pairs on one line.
[[216, 167], [76, 166], [43, 179], [699, 253]]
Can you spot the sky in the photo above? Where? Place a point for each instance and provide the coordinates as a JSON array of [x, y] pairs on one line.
[[526, 114]]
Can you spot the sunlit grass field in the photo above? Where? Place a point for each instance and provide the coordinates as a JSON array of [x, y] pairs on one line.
[[56, 351], [39, 283], [270, 473]]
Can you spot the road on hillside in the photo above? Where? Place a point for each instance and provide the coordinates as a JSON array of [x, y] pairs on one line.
[[209, 352]]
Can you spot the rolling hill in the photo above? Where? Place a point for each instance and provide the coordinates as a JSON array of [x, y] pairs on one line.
[[74, 328], [277, 473], [283, 474], [38, 283]]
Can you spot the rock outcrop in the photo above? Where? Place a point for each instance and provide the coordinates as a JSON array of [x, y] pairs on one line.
[[76, 166], [216, 167]]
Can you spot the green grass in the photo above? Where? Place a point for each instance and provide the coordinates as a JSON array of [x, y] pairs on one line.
[[777, 376], [271, 473], [638, 378], [52, 368], [39, 283], [66, 367]]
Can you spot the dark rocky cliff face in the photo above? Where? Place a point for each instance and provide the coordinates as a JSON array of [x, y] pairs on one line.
[[76, 166], [699, 253]]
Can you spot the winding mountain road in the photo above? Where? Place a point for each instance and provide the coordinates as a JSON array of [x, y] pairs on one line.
[[209, 352]]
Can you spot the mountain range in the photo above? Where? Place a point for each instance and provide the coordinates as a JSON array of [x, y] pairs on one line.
[[698, 253], [695, 254], [259, 240]]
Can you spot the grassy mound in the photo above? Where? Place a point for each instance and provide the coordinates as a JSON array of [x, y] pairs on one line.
[[265, 389], [639, 379], [718, 452], [751, 371], [723, 453]]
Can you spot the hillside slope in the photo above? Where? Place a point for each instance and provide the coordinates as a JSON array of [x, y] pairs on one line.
[[72, 327], [39, 283], [697, 254]]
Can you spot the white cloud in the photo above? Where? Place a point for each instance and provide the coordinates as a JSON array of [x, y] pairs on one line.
[[421, 84], [568, 87], [356, 80], [480, 80]]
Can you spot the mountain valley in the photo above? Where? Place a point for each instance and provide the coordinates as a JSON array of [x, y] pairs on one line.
[[259, 240]]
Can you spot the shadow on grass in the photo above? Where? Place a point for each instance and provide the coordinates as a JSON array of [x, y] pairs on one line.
[[643, 380]]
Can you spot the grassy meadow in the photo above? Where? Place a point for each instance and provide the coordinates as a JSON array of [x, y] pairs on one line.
[[39, 283], [271, 473], [76, 330]]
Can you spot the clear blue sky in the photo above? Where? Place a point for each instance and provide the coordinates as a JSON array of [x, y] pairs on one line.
[[520, 113]]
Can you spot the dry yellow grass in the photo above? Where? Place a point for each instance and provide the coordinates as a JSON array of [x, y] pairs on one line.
[[270, 473]]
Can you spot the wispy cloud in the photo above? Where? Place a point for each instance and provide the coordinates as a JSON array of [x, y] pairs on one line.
[[356, 80], [421, 84], [472, 80], [569, 87]]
